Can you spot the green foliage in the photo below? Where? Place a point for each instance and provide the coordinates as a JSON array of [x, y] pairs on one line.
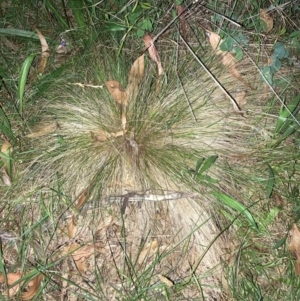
[[280, 52], [23, 80], [288, 121], [202, 166], [234, 41], [231, 203], [19, 33], [5, 126]]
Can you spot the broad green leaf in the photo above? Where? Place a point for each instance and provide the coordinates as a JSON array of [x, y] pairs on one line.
[[145, 5], [269, 219], [207, 178], [4, 118], [199, 162], [115, 27], [287, 111], [271, 181], [234, 204], [7, 132], [238, 53], [280, 51], [231, 218], [280, 242], [208, 163], [268, 74], [19, 33], [23, 79], [5, 126]]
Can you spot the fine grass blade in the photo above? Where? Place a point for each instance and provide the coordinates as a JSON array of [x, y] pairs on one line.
[[23, 79], [234, 204], [57, 14], [77, 9], [271, 181]]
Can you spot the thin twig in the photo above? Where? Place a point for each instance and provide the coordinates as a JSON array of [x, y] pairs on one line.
[[235, 105]]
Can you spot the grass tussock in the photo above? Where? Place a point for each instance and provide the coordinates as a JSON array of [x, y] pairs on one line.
[[153, 196]]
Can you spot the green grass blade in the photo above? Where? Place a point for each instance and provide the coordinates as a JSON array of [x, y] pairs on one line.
[[198, 165], [77, 9], [234, 204], [23, 79], [18, 33], [48, 79], [4, 118], [207, 164], [57, 14], [287, 112], [5, 126], [271, 181]]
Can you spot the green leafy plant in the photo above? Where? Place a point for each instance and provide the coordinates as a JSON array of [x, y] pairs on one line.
[[288, 121], [280, 52]]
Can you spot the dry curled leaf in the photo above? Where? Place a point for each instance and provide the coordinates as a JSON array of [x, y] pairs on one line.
[[136, 72], [166, 280], [265, 17], [32, 286], [80, 254], [117, 92], [11, 279], [45, 52], [6, 149], [135, 76], [228, 60], [72, 227], [294, 247], [44, 129], [100, 135], [149, 250], [153, 53]]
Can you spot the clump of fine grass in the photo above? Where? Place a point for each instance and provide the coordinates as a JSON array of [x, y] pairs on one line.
[[170, 130]]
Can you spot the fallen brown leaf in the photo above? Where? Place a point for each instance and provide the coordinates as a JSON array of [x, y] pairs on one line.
[[100, 135], [6, 149], [44, 129], [72, 227], [149, 250], [45, 53], [228, 60], [294, 247], [136, 72], [166, 280], [153, 53], [11, 279], [80, 254], [32, 287], [82, 198], [117, 92], [135, 76], [265, 17]]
